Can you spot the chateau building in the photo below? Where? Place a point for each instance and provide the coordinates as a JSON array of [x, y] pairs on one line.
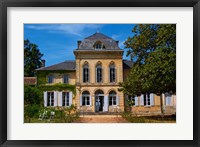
[[96, 72]]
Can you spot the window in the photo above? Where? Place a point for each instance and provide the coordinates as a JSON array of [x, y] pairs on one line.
[[50, 98], [85, 73], [66, 79], [98, 45], [65, 99], [168, 99], [50, 79], [131, 100], [147, 99], [98, 74], [112, 73], [85, 98], [112, 98]]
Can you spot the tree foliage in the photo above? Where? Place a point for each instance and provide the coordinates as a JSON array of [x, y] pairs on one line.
[[154, 49], [32, 58]]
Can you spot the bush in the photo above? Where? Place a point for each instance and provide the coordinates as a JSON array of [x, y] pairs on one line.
[[31, 111], [32, 95]]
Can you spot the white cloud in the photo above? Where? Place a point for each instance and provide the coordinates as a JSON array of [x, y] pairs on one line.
[[74, 29], [115, 37]]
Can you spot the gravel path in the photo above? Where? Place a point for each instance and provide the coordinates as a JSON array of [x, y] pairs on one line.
[[101, 119]]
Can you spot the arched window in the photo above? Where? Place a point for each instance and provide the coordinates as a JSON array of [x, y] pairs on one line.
[[85, 73], [112, 98], [86, 98], [112, 73], [98, 45], [99, 73]]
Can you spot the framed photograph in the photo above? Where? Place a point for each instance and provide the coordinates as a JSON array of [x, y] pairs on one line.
[[99, 73]]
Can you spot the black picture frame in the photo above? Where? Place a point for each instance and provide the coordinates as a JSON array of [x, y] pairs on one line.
[[4, 4]]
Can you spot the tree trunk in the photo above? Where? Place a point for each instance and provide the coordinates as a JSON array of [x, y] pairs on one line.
[[161, 104]]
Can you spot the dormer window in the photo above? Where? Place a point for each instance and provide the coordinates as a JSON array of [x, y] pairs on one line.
[[98, 45]]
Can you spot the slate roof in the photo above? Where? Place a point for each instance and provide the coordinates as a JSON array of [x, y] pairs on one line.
[[127, 64], [66, 65], [88, 42], [71, 65]]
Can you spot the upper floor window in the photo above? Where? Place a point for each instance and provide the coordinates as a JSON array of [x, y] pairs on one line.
[[50, 79], [85, 73], [66, 79], [112, 73], [99, 45], [99, 73]]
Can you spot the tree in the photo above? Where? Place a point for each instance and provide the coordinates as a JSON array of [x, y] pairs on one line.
[[32, 58], [154, 49]]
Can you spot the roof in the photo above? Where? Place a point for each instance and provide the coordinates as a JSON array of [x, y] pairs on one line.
[[71, 65], [127, 64], [66, 65], [30, 80], [88, 42]]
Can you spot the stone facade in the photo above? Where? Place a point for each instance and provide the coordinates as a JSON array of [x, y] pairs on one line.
[[104, 96]]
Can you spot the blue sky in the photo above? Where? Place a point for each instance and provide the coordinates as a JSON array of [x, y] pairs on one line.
[[57, 41]]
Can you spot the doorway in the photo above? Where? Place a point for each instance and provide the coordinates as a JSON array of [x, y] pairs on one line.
[[99, 101]]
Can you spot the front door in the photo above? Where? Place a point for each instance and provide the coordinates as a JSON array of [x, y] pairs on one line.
[[99, 103]]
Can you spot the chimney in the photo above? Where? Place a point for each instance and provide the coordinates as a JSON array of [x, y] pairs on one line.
[[117, 42], [79, 42], [42, 63]]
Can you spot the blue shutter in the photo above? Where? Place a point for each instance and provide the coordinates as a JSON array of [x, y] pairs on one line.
[[90, 100], [70, 98], [142, 100], [80, 100], [117, 99], [45, 99], [136, 101], [59, 98], [152, 99], [55, 99], [105, 107]]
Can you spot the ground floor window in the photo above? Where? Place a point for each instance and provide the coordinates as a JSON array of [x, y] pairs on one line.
[[168, 99], [112, 98], [131, 100], [85, 98], [65, 99], [147, 100], [50, 98]]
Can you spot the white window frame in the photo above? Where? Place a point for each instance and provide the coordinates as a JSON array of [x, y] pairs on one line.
[[111, 77], [85, 98], [112, 96], [65, 98], [50, 99], [147, 99]]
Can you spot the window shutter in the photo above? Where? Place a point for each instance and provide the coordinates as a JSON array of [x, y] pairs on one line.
[[59, 98], [170, 100], [152, 99], [90, 100], [142, 100], [102, 75], [117, 99], [55, 99], [105, 107], [96, 74], [136, 101], [70, 98], [108, 74], [80, 100], [88, 74], [45, 99]]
